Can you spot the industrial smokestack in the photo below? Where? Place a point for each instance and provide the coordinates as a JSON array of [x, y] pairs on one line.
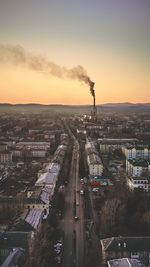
[[93, 94]]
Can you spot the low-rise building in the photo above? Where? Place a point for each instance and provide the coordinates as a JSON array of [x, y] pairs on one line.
[[33, 145], [47, 179], [34, 217], [136, 152], [5, 156], [3, 146], [137, 167], [13, 239], [32, 153], [94, 161], [107, 144], [125, 262], [13, 257], [95, 165], [126, 247], [138, 182]]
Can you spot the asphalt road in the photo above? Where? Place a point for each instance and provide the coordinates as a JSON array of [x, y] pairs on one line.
[[73, 230]]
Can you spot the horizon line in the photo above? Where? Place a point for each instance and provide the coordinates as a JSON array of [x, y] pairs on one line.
[[56, 104]]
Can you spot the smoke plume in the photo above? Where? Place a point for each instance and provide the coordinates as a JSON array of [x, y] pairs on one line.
[[17, 55]]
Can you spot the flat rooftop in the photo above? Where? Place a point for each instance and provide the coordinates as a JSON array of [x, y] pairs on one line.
[[125, 262]]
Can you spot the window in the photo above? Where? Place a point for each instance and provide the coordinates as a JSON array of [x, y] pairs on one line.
[[134, 254]]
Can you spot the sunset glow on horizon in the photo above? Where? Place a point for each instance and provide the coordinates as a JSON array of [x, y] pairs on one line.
[[109, 40]]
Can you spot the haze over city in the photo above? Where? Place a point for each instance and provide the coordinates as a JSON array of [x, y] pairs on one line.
[[109, 39]]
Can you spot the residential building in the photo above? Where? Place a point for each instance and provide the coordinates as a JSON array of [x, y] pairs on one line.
[[136, 152], [34, 218], [94, 161], [47, 179], [3, 146], [125, 262], [138, 182], [13, 257], [33, 145], [126, 247], [5, 156], [13, 239], [107, 144], [95, 165], [32, 153], [137, 167]]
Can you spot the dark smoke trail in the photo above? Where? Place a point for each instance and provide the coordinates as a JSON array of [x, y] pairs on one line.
[[17, 55]]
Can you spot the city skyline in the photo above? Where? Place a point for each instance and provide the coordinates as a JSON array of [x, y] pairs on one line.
[[110, 40]]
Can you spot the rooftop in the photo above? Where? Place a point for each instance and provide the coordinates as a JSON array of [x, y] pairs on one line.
[[33, 143], [125, 262], [53, 167], [94, 159], [47, 178], [139, 162], [33, 218], [46, 194], [126, 243], [15, 239], [137, 147], [13, 258]]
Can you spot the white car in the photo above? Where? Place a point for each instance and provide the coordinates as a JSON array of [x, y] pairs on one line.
[[81, 192], [95, 189]]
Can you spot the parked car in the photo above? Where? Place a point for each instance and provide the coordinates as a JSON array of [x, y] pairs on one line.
[[81, 192], [95, 189]]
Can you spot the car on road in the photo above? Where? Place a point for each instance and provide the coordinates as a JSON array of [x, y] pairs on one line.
[[76, 218], [81, 192], [82, 181], [95, 189]]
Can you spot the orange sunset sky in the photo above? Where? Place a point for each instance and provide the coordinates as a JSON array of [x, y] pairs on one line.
[[110, 40]]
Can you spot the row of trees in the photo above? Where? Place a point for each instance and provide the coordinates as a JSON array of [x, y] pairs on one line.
[[41, 252], [124, 213]]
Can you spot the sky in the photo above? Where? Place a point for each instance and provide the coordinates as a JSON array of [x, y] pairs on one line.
[[110, 39]]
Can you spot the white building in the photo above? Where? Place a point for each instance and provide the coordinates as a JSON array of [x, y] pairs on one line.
[[136, 152], [33, 145], [138, 183], [94, 162], [125, 262], [107, 144], [95, 165], [137, 167]]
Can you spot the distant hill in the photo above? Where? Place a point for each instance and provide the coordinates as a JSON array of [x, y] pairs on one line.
[[59, 108], [127, 105]]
